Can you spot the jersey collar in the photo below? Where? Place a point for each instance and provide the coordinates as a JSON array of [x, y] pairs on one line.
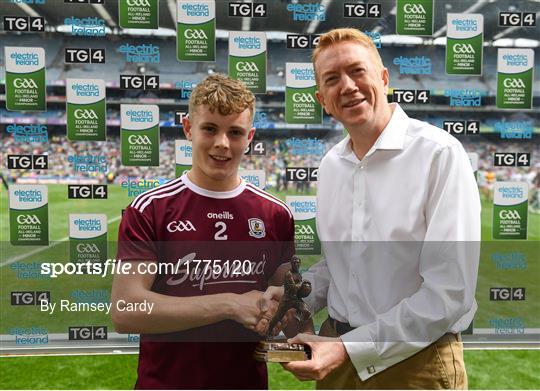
[[214, 194]]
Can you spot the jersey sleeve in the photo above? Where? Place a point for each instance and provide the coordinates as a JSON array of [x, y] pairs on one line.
[[137, 239]]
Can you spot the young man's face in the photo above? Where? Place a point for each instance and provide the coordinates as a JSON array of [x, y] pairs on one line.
[[219, 143], [352, 86]]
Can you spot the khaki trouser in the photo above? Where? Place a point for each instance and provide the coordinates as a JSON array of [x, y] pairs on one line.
[[438, 366]]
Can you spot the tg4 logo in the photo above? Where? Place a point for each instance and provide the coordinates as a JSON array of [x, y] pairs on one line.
[[301, 174], [30, 297], [517, 19], [507, 294], [87, 333], [462, 127], [87, 192], [302, 41], [84, 56], [24, 23], [24, 162], [411, 96], [354, 10], [137, 82], [251, 10], [256, 148], [511, 159]]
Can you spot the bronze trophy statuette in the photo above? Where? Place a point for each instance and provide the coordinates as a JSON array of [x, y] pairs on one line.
[[279, 350]]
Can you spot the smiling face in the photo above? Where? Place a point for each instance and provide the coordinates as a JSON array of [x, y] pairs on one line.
[[352, 86], [219, 142]]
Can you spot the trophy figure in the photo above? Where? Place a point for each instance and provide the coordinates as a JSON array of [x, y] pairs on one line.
[[274, 350]]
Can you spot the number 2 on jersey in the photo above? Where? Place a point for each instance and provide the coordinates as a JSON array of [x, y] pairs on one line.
[[220, 234]]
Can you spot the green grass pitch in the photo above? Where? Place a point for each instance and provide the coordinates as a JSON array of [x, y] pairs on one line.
[[486, 369]]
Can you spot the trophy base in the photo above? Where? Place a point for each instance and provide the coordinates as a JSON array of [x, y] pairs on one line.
[[281, 351]]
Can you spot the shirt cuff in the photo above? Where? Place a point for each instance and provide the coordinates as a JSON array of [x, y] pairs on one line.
[[363, 354], [361, 351]]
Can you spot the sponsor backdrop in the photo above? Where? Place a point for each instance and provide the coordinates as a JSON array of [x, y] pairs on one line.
[[94, 91]]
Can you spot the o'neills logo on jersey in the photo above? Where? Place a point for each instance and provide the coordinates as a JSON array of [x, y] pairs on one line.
[[201, 272], [225, 215]]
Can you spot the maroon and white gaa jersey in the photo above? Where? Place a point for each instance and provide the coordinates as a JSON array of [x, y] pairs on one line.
[[218, 242]]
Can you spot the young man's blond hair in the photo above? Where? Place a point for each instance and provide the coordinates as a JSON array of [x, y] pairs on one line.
[[221, 93], [335, 36]]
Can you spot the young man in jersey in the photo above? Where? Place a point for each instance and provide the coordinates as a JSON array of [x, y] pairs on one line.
[[232, 240]]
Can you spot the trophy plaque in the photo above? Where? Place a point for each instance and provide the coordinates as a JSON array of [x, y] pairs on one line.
[[279, 350]]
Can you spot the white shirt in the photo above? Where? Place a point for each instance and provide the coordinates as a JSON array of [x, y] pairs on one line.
[[400, 231]]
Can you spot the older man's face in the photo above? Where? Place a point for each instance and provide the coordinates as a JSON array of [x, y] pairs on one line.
[[352, 86]]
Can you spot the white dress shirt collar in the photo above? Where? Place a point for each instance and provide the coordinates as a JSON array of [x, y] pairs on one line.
[[392, 137]]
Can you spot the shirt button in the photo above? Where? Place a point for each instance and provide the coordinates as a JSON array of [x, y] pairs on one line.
[[371, 369]]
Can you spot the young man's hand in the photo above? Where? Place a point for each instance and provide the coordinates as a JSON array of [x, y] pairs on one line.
[[289, 324], [272, 293], [247, 310]]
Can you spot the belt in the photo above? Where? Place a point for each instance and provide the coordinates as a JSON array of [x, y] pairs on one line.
[[343, 328], [340, 327]]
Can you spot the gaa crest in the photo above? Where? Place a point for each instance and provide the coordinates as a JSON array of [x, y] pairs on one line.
[[256, 228]]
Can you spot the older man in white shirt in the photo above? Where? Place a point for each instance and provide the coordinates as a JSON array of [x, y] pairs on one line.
[[398, 213]]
